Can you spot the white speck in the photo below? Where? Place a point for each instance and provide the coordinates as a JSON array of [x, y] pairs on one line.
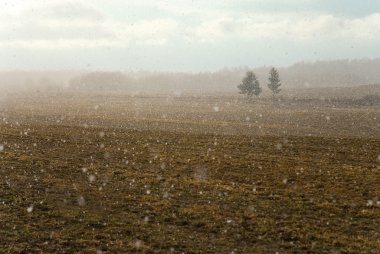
[[101, 134], [84, 170], [369, 203], [200, 173], [91, 178], [30, 209], [81, 201], [146, 219], [1, 148], [279, 146], [148, 192], [229, 221], [285, 181], [216, 109], [327, 118], [247, 118], [138, 243]]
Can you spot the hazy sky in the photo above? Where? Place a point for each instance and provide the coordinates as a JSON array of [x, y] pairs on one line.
[[184, 35]]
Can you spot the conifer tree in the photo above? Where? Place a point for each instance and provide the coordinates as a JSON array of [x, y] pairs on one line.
[[274, 82], [250, 85]]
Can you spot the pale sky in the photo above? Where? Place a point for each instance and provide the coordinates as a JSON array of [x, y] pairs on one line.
[[198, 35]]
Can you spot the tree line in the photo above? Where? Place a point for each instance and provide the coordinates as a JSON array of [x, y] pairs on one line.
[[337, 73], [250, 85]]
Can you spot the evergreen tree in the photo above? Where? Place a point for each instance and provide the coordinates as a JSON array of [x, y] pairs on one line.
[[274, 82], [250, 85]]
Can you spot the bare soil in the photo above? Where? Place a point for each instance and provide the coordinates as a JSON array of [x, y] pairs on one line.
[[124, 174]]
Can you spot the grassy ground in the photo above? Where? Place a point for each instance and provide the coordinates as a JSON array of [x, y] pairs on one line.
[[69, 188]]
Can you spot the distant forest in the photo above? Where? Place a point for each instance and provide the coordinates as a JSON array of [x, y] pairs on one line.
[[336, 73]]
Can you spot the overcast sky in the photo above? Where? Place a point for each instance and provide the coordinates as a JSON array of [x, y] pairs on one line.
[[198, 35]]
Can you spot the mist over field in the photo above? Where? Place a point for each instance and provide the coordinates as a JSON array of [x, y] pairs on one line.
[[189, 126], [302, 75]]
